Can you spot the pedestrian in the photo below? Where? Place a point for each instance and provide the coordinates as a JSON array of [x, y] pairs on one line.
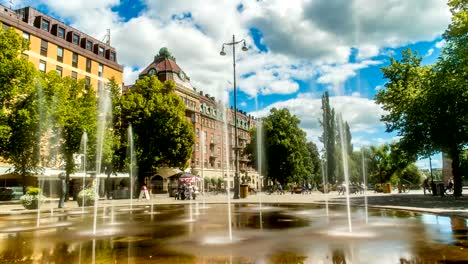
[[280, 188], [144, 193], [450, 185], [425, 185]]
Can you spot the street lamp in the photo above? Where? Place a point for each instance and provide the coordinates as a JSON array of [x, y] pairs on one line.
[[236, 148]]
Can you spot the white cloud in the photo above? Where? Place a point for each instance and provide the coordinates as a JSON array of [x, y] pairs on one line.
[[362, 114], [339, 73], [440, 44], [305, 39], [429, 52], [130, 75], [367, 51]]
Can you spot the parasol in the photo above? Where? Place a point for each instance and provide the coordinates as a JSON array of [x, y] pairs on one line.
[[188, 178]]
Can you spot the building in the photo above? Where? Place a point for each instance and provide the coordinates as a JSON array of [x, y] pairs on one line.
[[213, 155], [54, 46]]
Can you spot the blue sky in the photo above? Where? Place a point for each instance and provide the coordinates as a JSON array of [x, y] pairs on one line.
[[297, 48]]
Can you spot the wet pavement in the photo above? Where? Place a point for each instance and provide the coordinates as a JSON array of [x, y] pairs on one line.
[[415, 200]]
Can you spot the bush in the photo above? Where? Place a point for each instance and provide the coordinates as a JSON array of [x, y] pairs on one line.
[[86, 197], [33, 191], [32, 199]]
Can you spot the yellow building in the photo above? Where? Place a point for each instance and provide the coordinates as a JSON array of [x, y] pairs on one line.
[[58, 47]]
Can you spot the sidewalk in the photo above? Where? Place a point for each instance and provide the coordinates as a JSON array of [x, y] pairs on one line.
[[413, 201]]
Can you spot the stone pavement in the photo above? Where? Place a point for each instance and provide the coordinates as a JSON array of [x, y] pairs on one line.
[[413, 201]]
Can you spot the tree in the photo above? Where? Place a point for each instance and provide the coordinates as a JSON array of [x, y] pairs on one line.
[[286, 154], [18, 105], [328, 138], [163, 135], [315, 163], [387, 160], [73, 109], [425, 102]]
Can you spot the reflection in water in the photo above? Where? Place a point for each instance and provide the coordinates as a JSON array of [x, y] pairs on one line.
[[338, 256], [288, 234]]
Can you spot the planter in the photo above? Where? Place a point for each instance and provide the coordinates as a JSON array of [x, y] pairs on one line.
[[31, 202], [86, 197]]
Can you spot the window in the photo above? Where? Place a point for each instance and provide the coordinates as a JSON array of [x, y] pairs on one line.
[[45, 25], [76, 39], [42, 66], [88, 65], [101, 51], [60, 54], [74, 75], [44, 45], [59, 70], [61, 32], [87, 82], [100, 70], [89, 45], [75, 60], [26, 35], [112, 56]]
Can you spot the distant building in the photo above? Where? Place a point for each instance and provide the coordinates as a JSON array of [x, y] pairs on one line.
[[54, 46], [209, 157]]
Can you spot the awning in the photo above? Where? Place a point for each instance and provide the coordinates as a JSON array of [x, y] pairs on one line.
[[167, 172]]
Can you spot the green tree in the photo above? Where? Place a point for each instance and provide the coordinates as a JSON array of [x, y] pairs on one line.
[[163, 135], [328, 138], [386, 160], [18, 105], [74, 110], [316, 163], [286, 154], [425, 102]]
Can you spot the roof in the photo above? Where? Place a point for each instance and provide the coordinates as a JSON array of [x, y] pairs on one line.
[[164, 66]]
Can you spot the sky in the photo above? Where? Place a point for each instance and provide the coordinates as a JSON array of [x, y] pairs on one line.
[[297, 49]]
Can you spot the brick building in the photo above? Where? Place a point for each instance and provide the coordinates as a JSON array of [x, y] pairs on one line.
[[212, 155]]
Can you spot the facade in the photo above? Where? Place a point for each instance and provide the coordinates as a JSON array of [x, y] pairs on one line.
[[54, 46], [213, 155]]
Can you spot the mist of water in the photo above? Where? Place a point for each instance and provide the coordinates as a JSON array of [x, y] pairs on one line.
[[131, 170], [202, 146], [104, 112], [259, 164], [84, 145], [227, 141], [364, 180], [42, 126], [325, 188], [344, 156]]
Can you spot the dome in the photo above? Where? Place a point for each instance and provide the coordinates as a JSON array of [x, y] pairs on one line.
[[164, 66]]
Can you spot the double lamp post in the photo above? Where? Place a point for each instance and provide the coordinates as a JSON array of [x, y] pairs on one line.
[[236, 147]]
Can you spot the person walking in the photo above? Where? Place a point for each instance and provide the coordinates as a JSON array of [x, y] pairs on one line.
[[144, 194]]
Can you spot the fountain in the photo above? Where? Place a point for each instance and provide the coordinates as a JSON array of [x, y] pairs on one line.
[[104, 112], [259, 162], [132, 163], [227, 152], [364, 180], [84, 144], [344, 155]]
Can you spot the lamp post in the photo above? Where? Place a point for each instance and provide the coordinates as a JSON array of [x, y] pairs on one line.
[[236, 148]]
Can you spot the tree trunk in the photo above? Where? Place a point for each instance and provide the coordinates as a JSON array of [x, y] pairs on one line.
[[23, 175], [67, 184], [457, 177]]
